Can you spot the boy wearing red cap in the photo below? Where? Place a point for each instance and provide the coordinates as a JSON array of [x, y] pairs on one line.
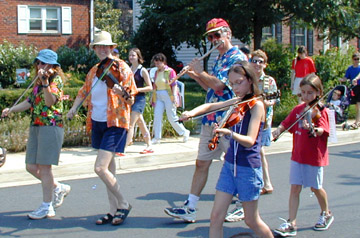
[[218, 89]]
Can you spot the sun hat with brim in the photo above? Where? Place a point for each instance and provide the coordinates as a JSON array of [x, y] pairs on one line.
[[215, 24], [47, 56], [102, 38]]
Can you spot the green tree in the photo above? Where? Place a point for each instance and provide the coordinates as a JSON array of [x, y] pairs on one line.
[[184, 21], [109, 19]]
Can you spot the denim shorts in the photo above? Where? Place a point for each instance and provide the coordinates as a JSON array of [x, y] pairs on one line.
[[111, 139], [247, 184], [139, 104], [306, 175], [266, 137]]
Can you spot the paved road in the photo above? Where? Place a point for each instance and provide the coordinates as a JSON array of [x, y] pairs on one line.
[[151, 191]]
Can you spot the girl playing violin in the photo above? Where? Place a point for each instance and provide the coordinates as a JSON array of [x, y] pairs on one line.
[[309, 156], [46, 131], [241, 173], [108, 119]]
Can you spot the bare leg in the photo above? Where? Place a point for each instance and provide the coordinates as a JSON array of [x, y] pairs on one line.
[[102, 165], [218, 213], [45, 175], [265, 167], [200, 177], [133, 118], [321, 196], [357, 120], [144, 130], [254, 221], [294, 202], [113, 203]]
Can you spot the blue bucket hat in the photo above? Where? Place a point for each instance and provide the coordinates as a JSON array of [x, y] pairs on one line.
[[47, 56]]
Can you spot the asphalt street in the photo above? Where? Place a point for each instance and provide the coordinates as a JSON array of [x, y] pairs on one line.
[[151, 191]]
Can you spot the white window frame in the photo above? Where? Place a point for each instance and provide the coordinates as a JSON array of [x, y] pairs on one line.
[[64, 20]]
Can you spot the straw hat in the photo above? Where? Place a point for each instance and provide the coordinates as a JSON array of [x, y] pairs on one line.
[[102, 38]]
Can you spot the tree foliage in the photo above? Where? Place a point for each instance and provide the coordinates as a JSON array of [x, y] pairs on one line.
[[175, 22], [115, 21]]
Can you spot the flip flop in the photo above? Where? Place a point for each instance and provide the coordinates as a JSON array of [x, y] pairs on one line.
[[147, 151], [120, 216], [354, 126]]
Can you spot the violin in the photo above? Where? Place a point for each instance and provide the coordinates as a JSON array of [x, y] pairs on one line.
[[313, 115], [108, 71], [233, 116]]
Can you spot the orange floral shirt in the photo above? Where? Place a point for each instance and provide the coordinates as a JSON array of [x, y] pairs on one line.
[[118, 111]]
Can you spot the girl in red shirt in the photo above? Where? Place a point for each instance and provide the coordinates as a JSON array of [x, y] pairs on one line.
[[309, 155]]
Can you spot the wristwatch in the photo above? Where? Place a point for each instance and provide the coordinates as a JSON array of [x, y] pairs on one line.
[[45, 86]]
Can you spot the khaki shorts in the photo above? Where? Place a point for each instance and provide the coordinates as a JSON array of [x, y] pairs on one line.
[[205, 136], [44, 145]]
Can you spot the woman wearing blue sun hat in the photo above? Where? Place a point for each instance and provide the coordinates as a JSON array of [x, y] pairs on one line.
[[46, 130]]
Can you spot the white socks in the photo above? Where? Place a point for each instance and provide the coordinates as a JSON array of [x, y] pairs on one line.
[[193, 200]]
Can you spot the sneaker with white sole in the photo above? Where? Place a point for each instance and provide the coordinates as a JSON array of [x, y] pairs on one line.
[[236, 214], [60, 194], [42, 212], [286, 229], [324, 221], [184, 212], [186, 136]]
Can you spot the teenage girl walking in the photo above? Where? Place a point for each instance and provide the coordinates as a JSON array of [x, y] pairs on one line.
[[309, 156], [241, 173]]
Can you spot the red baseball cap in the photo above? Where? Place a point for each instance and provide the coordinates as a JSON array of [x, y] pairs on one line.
[[215, 24]]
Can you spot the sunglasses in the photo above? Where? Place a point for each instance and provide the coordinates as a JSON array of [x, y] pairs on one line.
[[257, 61], [215, 36], [355, 58]]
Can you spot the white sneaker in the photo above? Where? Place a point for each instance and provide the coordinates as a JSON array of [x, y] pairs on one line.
[[237, 214], [58, 196], [186, 136], [42, 212], [155, 141], [184, 212]]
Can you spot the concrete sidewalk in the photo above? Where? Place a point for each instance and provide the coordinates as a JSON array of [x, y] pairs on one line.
[[78, 162]]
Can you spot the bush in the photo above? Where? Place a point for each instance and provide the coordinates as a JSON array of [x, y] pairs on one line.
[[11, 58]]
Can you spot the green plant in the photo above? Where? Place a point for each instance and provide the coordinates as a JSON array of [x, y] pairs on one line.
[[13, 57]]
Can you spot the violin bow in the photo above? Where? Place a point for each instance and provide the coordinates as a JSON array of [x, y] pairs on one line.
[[302, 115], [99, 79], [262, 96]]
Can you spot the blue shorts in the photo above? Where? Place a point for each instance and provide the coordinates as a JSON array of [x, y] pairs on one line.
[[306, 175], [111, 139], [247, 184], [139, 104], [266, 137]]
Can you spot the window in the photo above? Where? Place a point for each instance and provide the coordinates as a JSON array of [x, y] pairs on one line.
[[301, 36], [273, 31], [44, 20]]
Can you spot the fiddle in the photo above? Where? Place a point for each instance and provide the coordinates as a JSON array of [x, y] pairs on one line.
[[313, 115], [108, 71], [233, 116]]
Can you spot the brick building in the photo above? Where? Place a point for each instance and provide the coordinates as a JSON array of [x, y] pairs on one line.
[[45, 23]]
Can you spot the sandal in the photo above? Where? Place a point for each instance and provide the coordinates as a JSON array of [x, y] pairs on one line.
[[120, 216], [2, 156], [105, 219], [147, 151]]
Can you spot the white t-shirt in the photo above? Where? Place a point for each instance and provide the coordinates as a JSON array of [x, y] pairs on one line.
[[99, 101]]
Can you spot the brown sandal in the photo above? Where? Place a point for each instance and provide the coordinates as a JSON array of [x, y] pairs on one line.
[[105, 219]]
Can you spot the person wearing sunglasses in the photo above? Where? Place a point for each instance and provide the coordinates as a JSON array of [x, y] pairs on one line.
[[46, 131], [302, 65], [353, 75], [218, 89]]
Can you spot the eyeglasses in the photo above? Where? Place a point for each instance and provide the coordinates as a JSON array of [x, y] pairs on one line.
[[356, 59], [216, 35], [257, 61]]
